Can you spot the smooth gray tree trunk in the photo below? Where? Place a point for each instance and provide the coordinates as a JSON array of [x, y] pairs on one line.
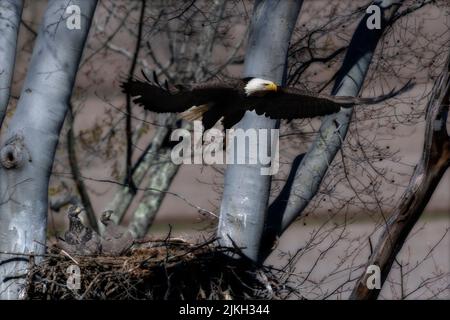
[[11, 11], [246, 190], [314, 165], [27, 150]]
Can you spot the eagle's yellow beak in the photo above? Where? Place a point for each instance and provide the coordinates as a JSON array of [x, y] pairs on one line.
[[271, 86]]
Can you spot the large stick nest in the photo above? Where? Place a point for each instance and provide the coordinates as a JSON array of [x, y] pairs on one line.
[[165, 269]]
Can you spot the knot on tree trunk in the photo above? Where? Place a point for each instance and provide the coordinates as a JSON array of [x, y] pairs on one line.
[[13, 153]]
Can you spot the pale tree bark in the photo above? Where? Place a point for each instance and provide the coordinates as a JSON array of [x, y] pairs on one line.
[[427, 174], [11, 11], [246, 190], [28, 147], [163, 170], [124, 197], [310, 171]]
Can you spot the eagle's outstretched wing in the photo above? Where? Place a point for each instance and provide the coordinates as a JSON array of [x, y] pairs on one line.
[[293, 103], [156, 98]]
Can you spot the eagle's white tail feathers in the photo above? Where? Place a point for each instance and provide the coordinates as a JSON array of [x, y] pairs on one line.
[[194, 112]]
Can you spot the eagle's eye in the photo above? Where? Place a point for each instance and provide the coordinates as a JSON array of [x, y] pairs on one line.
[[271, 86]]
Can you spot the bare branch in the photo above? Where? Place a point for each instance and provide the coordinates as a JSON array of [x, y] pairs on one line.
[[429, 171]]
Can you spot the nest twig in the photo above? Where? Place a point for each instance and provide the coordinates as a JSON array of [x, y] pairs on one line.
[[165, 269]]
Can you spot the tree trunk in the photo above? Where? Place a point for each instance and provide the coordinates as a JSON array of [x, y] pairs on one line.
[[434, 162], [28, 148], [246, 190], [124, 197], [162, 169], [310, 172], [9, 26], [162, 172]]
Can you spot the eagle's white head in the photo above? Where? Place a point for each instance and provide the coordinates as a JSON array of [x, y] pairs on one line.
[[258, 87]]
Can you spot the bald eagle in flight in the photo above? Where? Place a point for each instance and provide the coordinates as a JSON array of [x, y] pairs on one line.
[[212, 101]]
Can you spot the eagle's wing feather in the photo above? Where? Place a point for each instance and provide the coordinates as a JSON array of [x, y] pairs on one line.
[[293, 103], [158, 99], [351, 101]]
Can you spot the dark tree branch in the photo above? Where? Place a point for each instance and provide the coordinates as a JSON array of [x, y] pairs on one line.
[[76, 174], [128, 129], [429, 171], [28, 27], [294, 77]]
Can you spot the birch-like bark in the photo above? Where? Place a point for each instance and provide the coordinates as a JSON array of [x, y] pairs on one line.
[[246, 190], [163, 171], [28, 148], [123, 198], [11, 11], [314, 165], [434, 162]]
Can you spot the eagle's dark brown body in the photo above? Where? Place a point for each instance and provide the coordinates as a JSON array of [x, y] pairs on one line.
[[230, 100]]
